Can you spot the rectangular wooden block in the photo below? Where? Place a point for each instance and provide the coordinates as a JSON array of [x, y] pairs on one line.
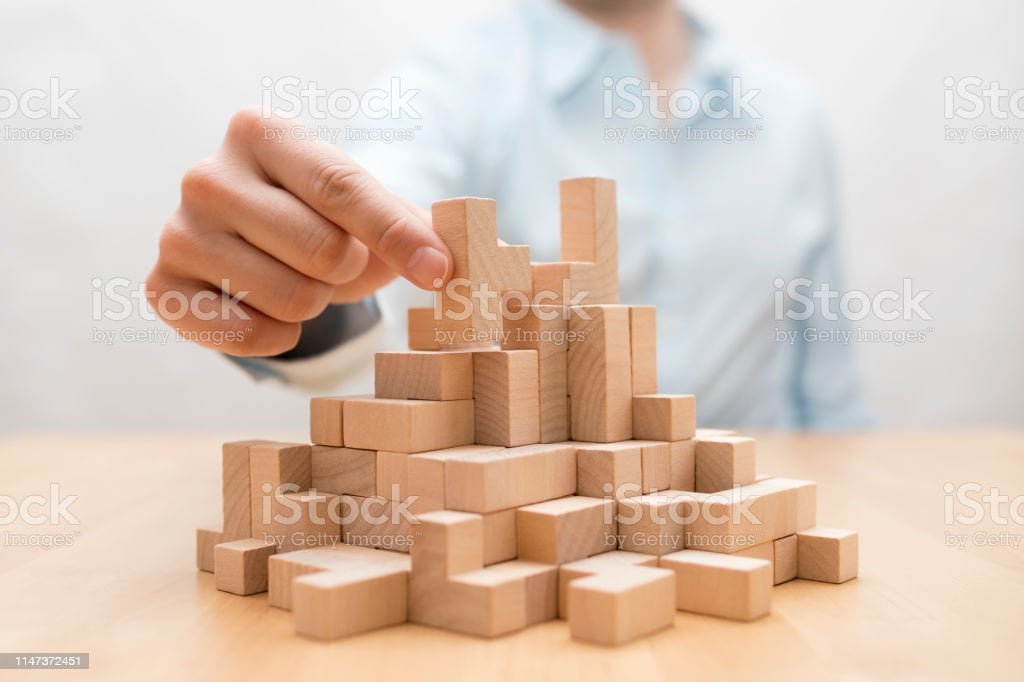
[[447, 543], [505, 597], [326, 416], [785, 553], [426, 475], [506, 397], [655, 465], [274, 470], [725, 462], [499, 536], [424, 375], [206, 540], [654, 524], [599, 562], [643, 348], [511, 477], [617, 606], [309, 519], [544, 328], [600, 379], [284, 568], [236, 490], [337, 604], [664, 417], [240, 566], [421, 327], [344, 471], [612, 470], [377, 522], [392, 475], [566, 529], [408, 425], [721, 585], [683, 465], [827, 555]]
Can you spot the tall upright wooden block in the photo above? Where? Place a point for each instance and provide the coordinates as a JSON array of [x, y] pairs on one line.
[[566, 529], [275, 469], [615, 607], [612, 470], [643, 349], [827, 555], [544, 328], [600, 380], [511, 477], [724, 462], [468, 227], [235, 489], [506, 397], [721, 585], [408, 425], [423, 375]]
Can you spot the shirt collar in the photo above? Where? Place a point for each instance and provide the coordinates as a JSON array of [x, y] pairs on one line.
[[571, 48]]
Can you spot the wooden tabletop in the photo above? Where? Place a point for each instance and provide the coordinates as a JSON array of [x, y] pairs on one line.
[[127, 592]]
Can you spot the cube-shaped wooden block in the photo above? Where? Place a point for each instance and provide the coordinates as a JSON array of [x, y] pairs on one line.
[[612, 470], [664, 417], [827, 555], [566, 529], [722, 585], [724, 462], [240, 566], [424, 375], [506, 392], [617, 606], [335, 604]]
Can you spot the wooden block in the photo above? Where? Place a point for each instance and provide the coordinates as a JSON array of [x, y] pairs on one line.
[[308, 519], [426, 477], [284, 568], [511, 477], [206, 540], [424, 375], [721, 585], [827, 555], [275, 469], [326, 417], [589, 225], [617, 606], [714, 433], [595, 564], [506, 397], [566, 529], [377, 522], [240, 566], [393, 475], [785, 553], [544, 328], [422, 335], [600, 381], [408, 425], [236, 489], [612, 470], [643, 349], [344, 471], [337, 604], [796, 508], [540, 587], [448, 543], [725, 462], [468, 226], [499, 536], [654, 524], [655, 465], [683, 465], [664, 417]]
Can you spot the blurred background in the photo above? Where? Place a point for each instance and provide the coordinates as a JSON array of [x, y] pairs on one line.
[[157, 84]]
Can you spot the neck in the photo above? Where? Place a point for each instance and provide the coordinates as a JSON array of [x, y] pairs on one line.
[[656, 27]]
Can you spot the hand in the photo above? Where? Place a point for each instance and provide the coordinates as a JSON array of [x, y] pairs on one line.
[[294, 222]]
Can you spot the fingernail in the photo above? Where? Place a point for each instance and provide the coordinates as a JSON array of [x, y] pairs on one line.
[[427, 268]]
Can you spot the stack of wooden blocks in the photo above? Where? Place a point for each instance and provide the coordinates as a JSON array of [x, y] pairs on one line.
[[517, 465]]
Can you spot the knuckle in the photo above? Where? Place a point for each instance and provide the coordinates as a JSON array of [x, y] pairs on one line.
[[395, 236], [305, 299], [246, 124], [203, 182], [340, 186], [177, 244], [324, 250]]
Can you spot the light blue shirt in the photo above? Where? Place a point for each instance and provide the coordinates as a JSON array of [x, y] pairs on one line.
[[508, 107]]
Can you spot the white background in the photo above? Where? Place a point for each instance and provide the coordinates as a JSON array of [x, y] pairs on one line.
[[158, 81]]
